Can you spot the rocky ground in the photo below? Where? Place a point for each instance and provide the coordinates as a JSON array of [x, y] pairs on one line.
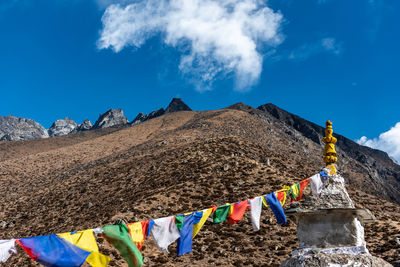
[[175, 163]]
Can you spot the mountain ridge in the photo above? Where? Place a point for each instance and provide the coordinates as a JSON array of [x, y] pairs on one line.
[[17, 128]]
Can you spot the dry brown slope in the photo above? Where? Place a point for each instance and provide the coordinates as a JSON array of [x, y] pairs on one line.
[[170, 165], [15, 149]]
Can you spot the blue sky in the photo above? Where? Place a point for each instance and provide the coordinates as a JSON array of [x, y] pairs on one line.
[[320, 59]]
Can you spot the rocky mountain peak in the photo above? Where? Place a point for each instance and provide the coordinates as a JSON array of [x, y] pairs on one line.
[[84, 126], [307, 128], [177, 105], [17, 128], [156, 113], [139, 118], [241, 106], [112, 117], [62, 127]]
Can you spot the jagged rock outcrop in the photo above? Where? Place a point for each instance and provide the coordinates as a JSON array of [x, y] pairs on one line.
[[156, 113], [177, 105], [144, 117], [84, 126], [139, 118], [62, 127], [17, 128], [112, 117], [174, 106]]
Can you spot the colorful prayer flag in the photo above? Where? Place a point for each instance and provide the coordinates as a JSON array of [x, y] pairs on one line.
[[118, 236], [255, 211], [165, 232], [264, 201], [220, 213], [138, 232], [200, 217], [316, 184], [186, 233], [294, 192], [6, 248], [281, 196], [151, 223], [86, 240], [303, 185], [179, 221], [276, 208], [324, 173], [51, 250], [237, 212], [297, 189]]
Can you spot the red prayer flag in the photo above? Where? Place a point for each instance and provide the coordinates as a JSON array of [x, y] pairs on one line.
[[303, 185], [238, 212]]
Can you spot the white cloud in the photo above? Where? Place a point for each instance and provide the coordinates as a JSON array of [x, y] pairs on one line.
[[216, 37], [388, 141], [306, 51], [330, 45]]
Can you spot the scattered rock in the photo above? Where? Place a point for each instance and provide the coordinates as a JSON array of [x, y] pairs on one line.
[[225, 167], [266, 161]]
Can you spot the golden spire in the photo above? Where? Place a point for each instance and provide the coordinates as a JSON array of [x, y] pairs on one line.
[[329, 151]]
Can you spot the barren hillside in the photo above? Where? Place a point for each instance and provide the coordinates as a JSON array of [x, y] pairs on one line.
[[178, 162]]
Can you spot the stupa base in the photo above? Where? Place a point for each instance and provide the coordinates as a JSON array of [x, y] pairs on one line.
[[333, 257]]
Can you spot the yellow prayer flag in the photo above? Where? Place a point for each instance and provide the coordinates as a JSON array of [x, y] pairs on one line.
[[295, 190], [136, 233], [86, 240], [197, 226], [264, 201]]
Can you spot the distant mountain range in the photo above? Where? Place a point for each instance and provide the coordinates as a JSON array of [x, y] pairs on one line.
[[15, 128]]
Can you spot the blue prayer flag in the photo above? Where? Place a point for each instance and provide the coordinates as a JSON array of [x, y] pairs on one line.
[[53, 251], [276, 207], [323, 174], [197, 216], [151, 223], [185, 241]]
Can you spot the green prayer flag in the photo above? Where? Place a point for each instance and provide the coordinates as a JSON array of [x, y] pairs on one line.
[[179, 221], [295, 190], [220, 213], [118, 235]]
